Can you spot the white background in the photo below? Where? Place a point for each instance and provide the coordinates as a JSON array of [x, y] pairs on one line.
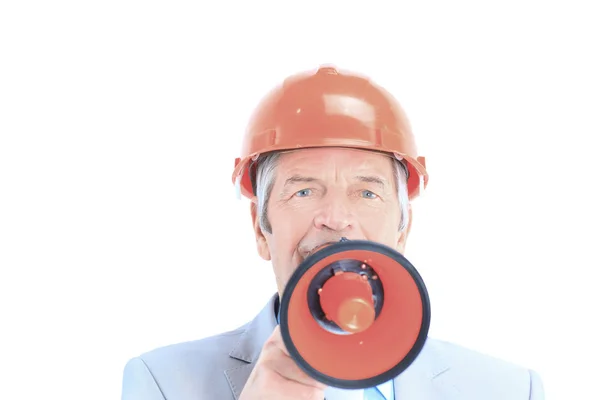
[[120, 122]]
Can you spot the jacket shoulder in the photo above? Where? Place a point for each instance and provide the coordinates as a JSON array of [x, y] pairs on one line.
[[183, 370], [475, 373], [212, 349]]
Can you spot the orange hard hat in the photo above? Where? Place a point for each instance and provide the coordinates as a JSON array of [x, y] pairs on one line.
[[328, 108]]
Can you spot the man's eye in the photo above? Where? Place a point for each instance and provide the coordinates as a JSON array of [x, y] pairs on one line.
[[303, 193], [368, 194]]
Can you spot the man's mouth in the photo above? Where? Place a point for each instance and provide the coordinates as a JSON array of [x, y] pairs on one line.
[[306, 253]]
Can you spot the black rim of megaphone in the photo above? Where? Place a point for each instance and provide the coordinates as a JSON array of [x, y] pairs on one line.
[[334, 249]]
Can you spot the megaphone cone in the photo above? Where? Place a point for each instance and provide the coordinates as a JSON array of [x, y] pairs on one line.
[[354, 314]]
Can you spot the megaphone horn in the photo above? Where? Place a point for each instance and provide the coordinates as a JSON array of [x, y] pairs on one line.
[[354, 314]]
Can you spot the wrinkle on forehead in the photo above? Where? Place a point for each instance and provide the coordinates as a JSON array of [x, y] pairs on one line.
[[337, 163], [351, 159]]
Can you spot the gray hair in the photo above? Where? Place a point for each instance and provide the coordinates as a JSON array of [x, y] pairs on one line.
[[264, 179]]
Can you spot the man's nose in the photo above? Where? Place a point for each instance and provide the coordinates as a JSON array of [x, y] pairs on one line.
[[335, 214]]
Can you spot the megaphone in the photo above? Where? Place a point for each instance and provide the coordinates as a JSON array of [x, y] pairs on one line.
[[354, 314]]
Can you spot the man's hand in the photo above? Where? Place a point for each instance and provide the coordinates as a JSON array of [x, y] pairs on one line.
[[277, 377]]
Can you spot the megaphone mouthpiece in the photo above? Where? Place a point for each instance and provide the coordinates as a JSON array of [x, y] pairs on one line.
[[345, 297], [347, 300]]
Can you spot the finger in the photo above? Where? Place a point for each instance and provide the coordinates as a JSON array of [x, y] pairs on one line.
[[277, 340], [279, 360], [287, 368]]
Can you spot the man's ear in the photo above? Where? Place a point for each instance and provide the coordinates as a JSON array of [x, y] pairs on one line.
[[401, 245], [261, 241]]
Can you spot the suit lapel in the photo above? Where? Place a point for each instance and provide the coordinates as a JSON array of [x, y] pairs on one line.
[[248, 348], [427, 378]]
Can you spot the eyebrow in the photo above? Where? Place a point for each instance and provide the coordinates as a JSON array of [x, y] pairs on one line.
[[371, 179], [298, 178], [362, 178]]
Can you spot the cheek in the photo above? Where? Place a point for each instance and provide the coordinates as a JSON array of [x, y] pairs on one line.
[[381, 226], [289, 227], [288, 230]]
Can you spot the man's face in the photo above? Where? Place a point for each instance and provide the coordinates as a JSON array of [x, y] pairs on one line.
[[322, 195]]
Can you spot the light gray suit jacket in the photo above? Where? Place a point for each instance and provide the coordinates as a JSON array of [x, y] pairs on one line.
[[216, 368]]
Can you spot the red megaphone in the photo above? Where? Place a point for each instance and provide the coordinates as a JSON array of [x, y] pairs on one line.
[[354, 314]]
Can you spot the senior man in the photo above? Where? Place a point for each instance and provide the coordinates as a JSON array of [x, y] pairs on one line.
[[326, 155]]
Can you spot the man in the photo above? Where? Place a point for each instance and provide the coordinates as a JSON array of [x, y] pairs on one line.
[[326, 155]]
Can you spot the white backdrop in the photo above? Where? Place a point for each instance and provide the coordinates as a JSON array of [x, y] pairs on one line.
[[120, 122]]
